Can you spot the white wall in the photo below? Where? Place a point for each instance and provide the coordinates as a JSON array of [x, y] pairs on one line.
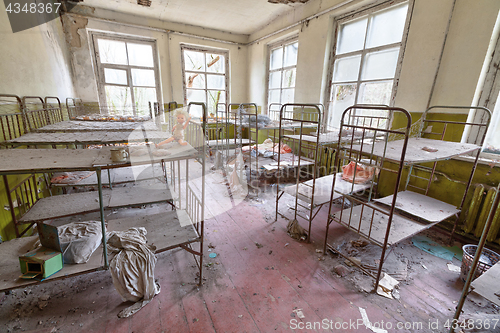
[[35, 61]]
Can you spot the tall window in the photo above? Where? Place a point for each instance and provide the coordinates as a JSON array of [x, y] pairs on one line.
[[366, 58], [127, 74], [282, 72], [205, 78], [490, 98]]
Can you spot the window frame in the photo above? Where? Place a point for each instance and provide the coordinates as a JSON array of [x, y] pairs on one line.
[[337, 22], [100, 67], [203, 49], [270, 48], [489, 96]]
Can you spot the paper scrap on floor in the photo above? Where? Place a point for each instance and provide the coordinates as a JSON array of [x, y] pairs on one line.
[[386, 285]]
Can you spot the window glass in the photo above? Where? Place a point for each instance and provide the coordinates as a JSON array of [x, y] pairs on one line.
[[291, 54], [215, 63], [387, 27], [116, 76], [352, 36], [143, 77], [112, 52], [140, 55], [194, 61], [366, 59], [276, 58], [346, 69], [380, 65], [282, 72], [205, 74]]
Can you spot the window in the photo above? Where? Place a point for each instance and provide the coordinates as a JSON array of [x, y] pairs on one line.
[[365, 59], [490, 98], [206, 78], [282, 72], [127, 74]]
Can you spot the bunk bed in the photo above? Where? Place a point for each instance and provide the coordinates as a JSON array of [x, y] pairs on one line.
[[309, 117], [182, 227], [403, 213]]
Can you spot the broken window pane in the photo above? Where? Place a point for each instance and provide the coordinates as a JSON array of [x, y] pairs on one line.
[[291, 54], [215, 81], [346, 69], [380, 65], [215, 63], [119, 100], [140, 55], [194, 61], [352, 36], [143, 77], [375, 92], [387, 26], [276, 59], [343, 96], [112, 52], [115, 76]]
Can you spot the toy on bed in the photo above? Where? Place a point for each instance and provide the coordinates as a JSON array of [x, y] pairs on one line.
[[183, 119]]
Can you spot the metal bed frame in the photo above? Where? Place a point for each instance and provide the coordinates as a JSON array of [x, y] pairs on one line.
[[307, 115], [381, 221]]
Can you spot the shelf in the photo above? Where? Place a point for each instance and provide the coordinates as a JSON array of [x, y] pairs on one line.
[[65, 205], [421, 206], [166, 230], [415, 152], [362, 216], [486, 285]]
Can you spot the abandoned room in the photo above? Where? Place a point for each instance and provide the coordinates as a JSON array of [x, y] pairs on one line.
[[249, 166]]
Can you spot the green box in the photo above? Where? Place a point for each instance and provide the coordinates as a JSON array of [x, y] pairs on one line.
[[40, 263]]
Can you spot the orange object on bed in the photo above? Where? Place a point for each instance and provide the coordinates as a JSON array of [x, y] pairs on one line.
[[357, 173]]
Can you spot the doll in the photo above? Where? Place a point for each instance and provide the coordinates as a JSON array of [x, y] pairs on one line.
[[183, 119]]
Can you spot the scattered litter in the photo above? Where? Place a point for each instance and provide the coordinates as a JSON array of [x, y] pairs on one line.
[[240, 316], [287, 244], [430, 149], [259, 245], [367, 323], [341, 270], [295, 231], [319, 251], [212, 255], [395, 294], [425, 267], [359, 243], [386, 285], [352, 261], [271, 252], [299, 313], [454, 268]]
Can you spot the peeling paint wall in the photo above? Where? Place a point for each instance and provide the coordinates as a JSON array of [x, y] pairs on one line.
[[35, 61]]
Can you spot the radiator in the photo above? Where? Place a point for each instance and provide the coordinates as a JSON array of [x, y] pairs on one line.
[[478, 212]]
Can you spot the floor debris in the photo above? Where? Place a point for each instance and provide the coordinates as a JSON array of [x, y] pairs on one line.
[[367, 323], [386, 285]]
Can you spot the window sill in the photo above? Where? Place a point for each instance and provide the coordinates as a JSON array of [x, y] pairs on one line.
[[482, 160]]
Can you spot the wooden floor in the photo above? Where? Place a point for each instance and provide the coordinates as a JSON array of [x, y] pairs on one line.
[[260, 281]]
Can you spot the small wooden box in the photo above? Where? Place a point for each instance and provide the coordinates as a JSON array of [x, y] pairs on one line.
[[40, 263]]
